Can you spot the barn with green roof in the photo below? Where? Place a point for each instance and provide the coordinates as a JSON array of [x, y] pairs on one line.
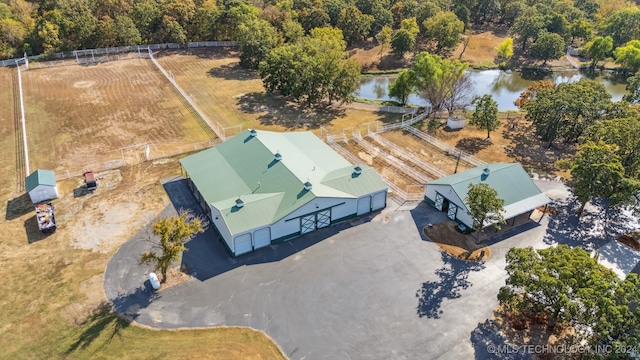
[[521, 195], [261, 187]]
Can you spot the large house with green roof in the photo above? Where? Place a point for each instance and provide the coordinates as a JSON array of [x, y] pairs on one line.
[[521, 195], [261, 187], [41, 186]]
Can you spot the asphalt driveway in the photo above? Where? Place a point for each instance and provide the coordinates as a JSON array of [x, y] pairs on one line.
[[372, 291]]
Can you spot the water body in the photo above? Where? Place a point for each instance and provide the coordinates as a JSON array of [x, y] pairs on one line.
[[505, 86]]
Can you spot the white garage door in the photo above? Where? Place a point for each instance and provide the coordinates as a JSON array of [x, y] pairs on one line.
[[307, 223], [364, 205], [242, 244], [324, 218], [379, 200], [262, 238]]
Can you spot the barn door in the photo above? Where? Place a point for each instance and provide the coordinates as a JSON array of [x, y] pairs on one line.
[[307, 223], [324, 218], [439, 200]]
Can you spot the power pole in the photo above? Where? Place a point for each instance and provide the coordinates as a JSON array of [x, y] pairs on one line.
[[457, 162]]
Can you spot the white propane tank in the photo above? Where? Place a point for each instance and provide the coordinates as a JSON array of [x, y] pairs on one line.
[[153, 279]]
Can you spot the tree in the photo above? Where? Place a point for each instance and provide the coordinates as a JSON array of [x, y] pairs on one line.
[[127, 33], [444, 29], [505, 49], [531, 92], [403, 86], [441, 82], [565, 284], [628, 56], [106, 35], [548, 46], [596, 171], [410, 25], [403, 42], [173, 233], [292, 30], [568, 110], [622, 25], [312, 69], [623, 133], [384, 38], [581, 29], [256, 38], [599, 48], [485, 115], [355, 25], [381, 17], [315, 18], [527, 27], [485, 207], [147, 18], [464, 14], [633, 90]]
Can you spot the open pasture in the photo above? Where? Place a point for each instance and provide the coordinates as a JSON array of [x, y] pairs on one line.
[[8, 121], [77, 115], [234, 97]]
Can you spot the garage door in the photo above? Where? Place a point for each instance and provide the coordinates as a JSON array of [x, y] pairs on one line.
[[307, 223], [324, 218], [242, 244], [379, 200], [364, 205], [262, 238]]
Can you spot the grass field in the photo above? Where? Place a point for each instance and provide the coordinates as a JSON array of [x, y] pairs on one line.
[[234, 96], [81, 114], [7, 144]]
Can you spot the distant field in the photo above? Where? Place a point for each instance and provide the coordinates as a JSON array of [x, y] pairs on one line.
[[82, 114], [234, 96]]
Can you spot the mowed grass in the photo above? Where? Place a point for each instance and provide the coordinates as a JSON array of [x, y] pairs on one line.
[[234, 97], [51, 295], [481, 49], [78, 115]]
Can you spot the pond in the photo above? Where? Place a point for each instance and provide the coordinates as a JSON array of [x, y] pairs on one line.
[[505, 86]]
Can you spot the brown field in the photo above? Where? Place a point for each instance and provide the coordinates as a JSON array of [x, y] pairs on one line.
[[234, 96], [77, 115], [480, 50], [8, 180]]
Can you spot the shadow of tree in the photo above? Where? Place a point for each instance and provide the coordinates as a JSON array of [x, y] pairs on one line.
[[129, 305], [487, 338], [233, 71], [278, 111], [103, 322], [473, 145], [453, 278], [532, 153]]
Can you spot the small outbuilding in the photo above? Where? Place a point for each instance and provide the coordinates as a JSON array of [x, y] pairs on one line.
[[41, 186], [456, 122], [521, 195], [261, 187]]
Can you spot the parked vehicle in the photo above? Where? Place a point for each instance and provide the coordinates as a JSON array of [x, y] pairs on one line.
[[90, 182], [46, 217]]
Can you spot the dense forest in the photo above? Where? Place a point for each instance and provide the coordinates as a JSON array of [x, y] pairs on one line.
[[538, 26]]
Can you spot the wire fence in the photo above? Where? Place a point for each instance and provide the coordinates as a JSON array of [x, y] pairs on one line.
[[135, 155], [88, 56]]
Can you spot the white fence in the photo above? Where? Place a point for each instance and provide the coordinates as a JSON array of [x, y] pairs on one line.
[[108, 54], [407, 155], [217, 128]]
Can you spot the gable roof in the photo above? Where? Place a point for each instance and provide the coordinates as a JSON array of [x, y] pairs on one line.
[[40, 177], [510, 180], [245, 166]]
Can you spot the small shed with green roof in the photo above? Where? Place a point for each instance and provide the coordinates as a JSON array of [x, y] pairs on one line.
[[521, 195], [41, 186], [261, 187]]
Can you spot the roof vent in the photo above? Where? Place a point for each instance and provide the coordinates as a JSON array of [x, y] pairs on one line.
[[277, 156], [308, 186], [239, 203], [486, 172], [253, 132], [357, 170]]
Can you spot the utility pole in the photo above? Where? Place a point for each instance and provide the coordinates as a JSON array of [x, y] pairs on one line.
[[457, 162]]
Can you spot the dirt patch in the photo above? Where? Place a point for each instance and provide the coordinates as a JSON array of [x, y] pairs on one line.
[[481, 49], [632, 240], [462, 246], [78, 311], [175, 276]]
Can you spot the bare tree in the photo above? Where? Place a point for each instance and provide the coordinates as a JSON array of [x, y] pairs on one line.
[[459, 94]]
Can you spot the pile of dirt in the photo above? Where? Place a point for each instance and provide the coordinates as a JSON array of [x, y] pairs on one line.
[[548, 210], [632, 240], [450, 240]]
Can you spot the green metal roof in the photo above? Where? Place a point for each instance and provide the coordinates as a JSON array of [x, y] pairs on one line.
[[510, 180], [40, 177], [244, 166]]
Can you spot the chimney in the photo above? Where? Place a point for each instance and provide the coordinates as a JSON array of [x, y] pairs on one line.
[[485, 172], [253, 132], [239, 203], [357, 170], [308, 186], [277, 156]]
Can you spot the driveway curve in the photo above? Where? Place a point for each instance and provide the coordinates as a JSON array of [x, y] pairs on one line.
[[377, 290]]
